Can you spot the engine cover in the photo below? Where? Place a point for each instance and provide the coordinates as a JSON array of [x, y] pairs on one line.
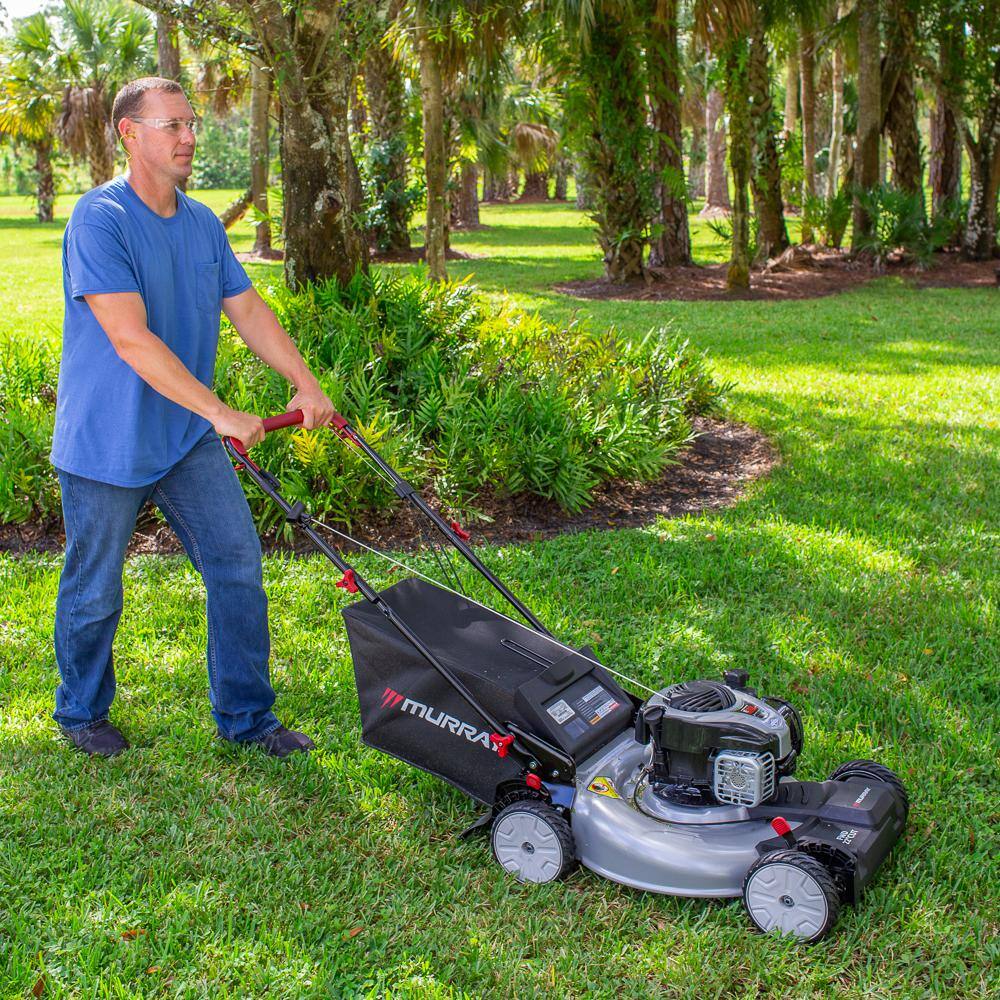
[[713, 743]]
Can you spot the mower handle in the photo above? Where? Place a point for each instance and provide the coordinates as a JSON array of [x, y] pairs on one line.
[[289, 419]]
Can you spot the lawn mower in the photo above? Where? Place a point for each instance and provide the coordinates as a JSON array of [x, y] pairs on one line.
[[687, 790]]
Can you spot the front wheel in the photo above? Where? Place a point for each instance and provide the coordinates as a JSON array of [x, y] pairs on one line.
[[533, 842], [791, 893]]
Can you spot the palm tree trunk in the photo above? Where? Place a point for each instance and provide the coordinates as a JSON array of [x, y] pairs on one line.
[[673, 244], [386, 95], [791, 88], [260, 154], [946, 157], [807, 81], [696, 159], [562, 170], [737, 83], [100, 141], [716, 182], [236, 209], [901, 108], [866, 160], [45, 182], [466, 210], [536, 186], [836, 116], [436, 164], [946, 139], [766, 179]]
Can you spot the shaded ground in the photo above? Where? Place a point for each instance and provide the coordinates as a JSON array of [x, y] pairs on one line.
[[712, 473], [812, 276]]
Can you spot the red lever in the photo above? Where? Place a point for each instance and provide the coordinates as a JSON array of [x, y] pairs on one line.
[[502, 743], [780, 826], [282, 420], [348, 583], [534, 781], [460, 531]]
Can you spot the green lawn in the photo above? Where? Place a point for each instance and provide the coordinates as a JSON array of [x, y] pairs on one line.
[[860, 580]]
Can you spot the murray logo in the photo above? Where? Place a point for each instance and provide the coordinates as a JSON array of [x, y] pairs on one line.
[[392, 699], [861, 798]]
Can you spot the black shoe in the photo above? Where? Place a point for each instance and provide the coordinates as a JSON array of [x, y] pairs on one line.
[[283, 742], [100, 739]]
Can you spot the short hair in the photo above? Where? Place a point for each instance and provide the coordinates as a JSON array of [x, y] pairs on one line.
[[128, 100]]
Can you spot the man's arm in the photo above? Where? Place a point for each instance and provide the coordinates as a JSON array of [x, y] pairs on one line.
[[262, 333], [122, 315]]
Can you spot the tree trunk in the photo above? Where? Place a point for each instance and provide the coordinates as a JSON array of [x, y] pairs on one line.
[[489, 185], [386, 95], [435, 158], [466, 209], [807, 81], [562, 169], [168, 50], [673, 244], [791, 88], [100, 139], [313, 78], [901, 108], [836, 116], [946, 157], [260, 102], [737, 83], [716, 182], [772, 237], [946, 140], [536, 186], [584, 199], [696, 160], [44, 180], [980, 237], [236, 209], [866, 160]]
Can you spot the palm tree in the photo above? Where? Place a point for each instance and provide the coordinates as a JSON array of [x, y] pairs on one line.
[[726, 26], [107, 43], [866, 160], [29, 99]]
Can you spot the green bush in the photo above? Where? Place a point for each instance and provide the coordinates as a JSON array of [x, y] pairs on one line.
[[460, 393], [900, 225], [828, 216]]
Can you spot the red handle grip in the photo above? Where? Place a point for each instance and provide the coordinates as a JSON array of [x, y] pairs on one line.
[[282, 420]]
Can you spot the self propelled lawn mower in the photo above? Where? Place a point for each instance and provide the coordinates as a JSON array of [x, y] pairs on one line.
[[688, 791]]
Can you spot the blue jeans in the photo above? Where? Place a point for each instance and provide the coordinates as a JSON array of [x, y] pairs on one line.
[[203, 502]]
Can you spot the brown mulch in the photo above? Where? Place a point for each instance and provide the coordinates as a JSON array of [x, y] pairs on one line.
[[825, 272], [712, 473]]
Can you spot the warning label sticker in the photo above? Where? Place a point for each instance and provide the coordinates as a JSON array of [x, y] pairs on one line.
[[596, 704], [560, 711], [603, 786]]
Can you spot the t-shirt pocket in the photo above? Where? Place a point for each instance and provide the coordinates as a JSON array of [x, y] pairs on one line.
[[208, 291]]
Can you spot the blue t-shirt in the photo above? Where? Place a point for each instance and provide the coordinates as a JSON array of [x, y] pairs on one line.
[[111, 425]]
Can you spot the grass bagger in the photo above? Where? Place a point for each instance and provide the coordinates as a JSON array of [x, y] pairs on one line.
[[687, 791]]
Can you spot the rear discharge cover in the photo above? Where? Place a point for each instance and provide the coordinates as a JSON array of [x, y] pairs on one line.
[[410, 711]]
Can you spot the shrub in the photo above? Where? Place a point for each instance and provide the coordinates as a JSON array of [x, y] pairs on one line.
[[828, 216], [458, 392], [900, 225]]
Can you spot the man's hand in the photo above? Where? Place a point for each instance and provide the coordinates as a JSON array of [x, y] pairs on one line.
[[317, 410], [245, 427]]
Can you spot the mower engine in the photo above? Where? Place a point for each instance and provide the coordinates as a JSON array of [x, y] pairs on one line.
[[717, 744]]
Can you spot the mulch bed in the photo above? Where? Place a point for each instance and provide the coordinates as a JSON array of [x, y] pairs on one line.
[[819, 273], [712, 473]]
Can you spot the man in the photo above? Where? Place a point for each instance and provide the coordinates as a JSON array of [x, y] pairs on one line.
[[146, 273]]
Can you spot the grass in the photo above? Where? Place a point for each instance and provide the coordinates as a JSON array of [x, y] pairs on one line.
[[859, 580]]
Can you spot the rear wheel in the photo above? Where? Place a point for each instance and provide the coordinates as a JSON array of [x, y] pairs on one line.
[[533, 842], [870, 770], [791, 893]]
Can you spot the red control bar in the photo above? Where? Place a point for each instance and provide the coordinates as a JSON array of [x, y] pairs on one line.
[[274, 423]]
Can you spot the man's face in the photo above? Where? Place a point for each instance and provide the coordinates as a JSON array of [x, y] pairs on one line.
[[162, 150]]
